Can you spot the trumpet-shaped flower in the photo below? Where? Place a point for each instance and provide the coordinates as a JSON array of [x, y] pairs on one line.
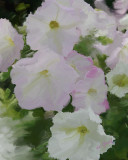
[[117, 80], [89, 93], [105, 28], [91, 22], [10, 45], [121, 6], [43, 81], [78, 135], [80, 63], [65, 3], [118, 50], [54, 26]]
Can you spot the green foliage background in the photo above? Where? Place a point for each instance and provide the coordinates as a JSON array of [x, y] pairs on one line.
[[115, 120]]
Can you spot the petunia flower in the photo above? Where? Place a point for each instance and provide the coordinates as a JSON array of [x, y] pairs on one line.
[[91, 23], [80, 63], [123, 23], [120, 6], [117, 80], [45, 80], [117, 51], [78, 135], [62, 3], [54, 26], [83, 6], [89, 93], [10, 45]]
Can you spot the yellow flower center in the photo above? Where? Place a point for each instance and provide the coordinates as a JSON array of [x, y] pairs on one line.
[[44, 73], [54, 25], [92, 91], [98, 9], [125, 47], [74, 67], [82, 130], [120, 80], [10, 41]]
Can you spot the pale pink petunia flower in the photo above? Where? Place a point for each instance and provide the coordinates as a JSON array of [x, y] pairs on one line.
[[118, 50], [121, 6], [54, 26], [45, 80], [107, 25], [80, 63], [91, 92], [10, 45]]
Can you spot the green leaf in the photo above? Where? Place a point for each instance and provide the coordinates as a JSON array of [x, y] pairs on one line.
[[104, 40], [46, 156], [38, 134], [5, 75], [69, 108], [22, 6], [86, 46], [115, 122], [39, 112], [9, 105], [99, 61], [27, 51]]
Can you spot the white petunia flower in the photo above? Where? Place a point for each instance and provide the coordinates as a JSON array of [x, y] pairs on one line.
[[123, 23], [54, 26], [118, 80], [10, 45], [78, 136], [45, 80]]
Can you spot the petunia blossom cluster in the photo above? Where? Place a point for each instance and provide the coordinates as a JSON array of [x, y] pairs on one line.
[[56, 68], [57, 75]]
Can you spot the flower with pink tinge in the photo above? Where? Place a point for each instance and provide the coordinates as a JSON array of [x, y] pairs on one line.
[[55, 27], [118, 50], [107, 25], [80, 63], [121, 19], [91, 92], [62, 3], [10, 45], [90, 22], [94, 16], [45, 80], [121, 6]]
